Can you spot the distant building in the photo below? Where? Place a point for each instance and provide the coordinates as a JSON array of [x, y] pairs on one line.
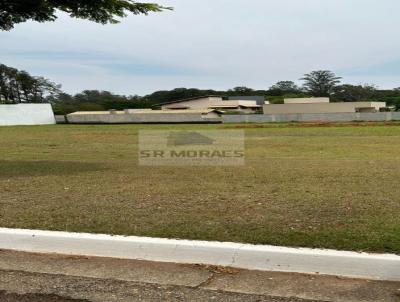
[[321, 105], [245, 105]]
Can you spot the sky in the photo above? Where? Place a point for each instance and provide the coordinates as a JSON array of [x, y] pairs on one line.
[[214, 44]]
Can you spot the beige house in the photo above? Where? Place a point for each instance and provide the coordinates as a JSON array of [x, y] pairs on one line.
[[213, 102], [321, 105]]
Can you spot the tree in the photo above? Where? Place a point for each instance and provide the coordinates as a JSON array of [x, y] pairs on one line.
[[241, 90], [353, 93], [284, 87], [320, 83], [164, 96], [100, 11], [20, 87]]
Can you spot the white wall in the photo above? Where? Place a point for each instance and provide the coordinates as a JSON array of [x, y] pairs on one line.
[[26, 114], [143, 118]]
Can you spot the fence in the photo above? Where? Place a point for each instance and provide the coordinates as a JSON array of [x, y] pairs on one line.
[[141, 118], [236, 118]]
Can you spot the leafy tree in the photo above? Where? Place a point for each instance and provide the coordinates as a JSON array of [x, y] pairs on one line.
[[100, 11], [96, 96], [164, 96], [284, 87], [241, 90], [320, 83], [353, 93], [20, 87], [95, 100]]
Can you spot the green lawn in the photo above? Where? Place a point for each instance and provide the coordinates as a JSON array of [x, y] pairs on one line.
[[332, 187]]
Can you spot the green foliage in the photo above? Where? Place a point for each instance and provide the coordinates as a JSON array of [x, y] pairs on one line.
[[95, 100], [100, 11], [353, 93], [165, 96], [320, 83], [284, 87], [20, 87], [390, 101], [241, 90]]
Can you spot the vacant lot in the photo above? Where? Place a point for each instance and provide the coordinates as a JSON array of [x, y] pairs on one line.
[[333, 187]]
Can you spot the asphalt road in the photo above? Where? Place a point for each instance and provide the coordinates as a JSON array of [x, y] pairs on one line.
[[48, 278], [34, 287]]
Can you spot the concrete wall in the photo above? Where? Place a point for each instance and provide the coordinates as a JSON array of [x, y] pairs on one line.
[[349, 107], [143, 118], [322, 117], [60, 119], [26, 114], [235, 118]]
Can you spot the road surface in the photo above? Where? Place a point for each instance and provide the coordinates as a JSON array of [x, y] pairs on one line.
[[48, 278]]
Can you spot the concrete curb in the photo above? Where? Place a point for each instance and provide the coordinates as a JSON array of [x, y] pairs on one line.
[[246, 256]]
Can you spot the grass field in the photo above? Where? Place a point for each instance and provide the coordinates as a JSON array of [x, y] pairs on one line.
[[332, 187]]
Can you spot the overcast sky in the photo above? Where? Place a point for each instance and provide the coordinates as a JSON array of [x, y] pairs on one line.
[[216, 44]]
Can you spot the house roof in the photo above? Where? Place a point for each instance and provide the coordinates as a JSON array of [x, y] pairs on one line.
[[236, 104], [189, 99]]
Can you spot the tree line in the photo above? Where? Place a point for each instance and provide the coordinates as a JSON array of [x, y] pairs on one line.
[[20, 87]]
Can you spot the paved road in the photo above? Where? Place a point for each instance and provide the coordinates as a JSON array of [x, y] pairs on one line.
[[58, 288], [48, 278]]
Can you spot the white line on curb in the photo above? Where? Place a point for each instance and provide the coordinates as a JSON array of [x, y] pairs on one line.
[[246, 256]]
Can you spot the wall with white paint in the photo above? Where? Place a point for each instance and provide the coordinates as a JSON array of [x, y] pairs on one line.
[[26, 114]]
